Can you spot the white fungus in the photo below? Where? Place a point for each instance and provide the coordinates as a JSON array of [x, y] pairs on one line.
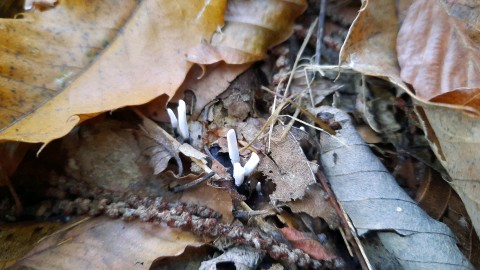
[[233, 147], [173, 118], [238, 174], [251, 164], [182, 120]]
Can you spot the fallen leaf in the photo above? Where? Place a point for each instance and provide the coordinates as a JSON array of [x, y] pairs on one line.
[[96, 151], [438, 51], [315, 204], [103, 243], [311, 246], [240, 257], [204, 194], [18, 239], [78, 59], [451, 129], [251, 27], [374, 201], [287, 167]]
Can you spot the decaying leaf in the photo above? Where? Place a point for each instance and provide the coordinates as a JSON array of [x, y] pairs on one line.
[[315, 204], [160, 147], [96, 151], [287, 167], [374, 202], [438, 51], [371, 49], [216, 198], [79, 59], [251, 27], [311, 246], [103, 243], [18, 239], [241, 257], [444, 66]]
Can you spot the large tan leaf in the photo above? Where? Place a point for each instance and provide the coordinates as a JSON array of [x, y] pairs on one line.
[[102, 243], [453, 134], [86, 57]]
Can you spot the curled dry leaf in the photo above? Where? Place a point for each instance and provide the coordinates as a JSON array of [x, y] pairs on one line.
[[73, 61], [439, 55], [287, 167], [160, 147], [251, 27], [375, 202], [371, 49], [438, 51]]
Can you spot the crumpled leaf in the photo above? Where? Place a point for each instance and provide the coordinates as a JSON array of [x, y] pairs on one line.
[[169, 143], [251, 27], [315, 205], [287, 167], [78, 59], [103, 243], [160, 147], [311, 246], [371, 49], [439, 53], [374, 202]]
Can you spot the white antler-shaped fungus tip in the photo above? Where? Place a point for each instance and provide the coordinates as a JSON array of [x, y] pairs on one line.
[[233, 147], [238, 174], [251, 164], [182, 120], [173, 118]]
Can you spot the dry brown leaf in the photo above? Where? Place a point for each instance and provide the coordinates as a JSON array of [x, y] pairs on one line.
[[371, 49], [444, 66], [216, 198], [315, 204], [205, 84], [79, 59], [103, 243], [287, 167], [251, 27], [311, 246], [213, 83], [438, 51], [104, 154]]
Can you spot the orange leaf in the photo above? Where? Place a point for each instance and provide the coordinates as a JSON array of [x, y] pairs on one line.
[[85, 57]]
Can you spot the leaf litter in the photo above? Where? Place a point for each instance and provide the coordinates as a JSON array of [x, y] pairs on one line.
[[269, 194]]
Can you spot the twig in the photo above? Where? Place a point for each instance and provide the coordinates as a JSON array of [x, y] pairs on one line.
[[320, 30], [193, 183]]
